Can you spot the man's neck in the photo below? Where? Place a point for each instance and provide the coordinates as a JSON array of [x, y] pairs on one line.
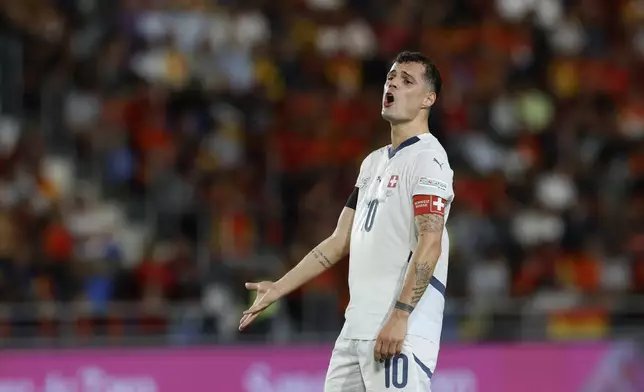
[[404, 131]]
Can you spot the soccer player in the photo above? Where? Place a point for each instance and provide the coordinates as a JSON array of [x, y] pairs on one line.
[[393, 230]]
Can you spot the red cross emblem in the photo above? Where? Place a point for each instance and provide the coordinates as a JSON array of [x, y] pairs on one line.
[[437, 205], [393, 181]]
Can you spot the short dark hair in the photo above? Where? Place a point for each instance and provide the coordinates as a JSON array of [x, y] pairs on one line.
[[432, 74]]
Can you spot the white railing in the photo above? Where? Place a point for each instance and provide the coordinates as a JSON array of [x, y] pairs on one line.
[[57, 324]]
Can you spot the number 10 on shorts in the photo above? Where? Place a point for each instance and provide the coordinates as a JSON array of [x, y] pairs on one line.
[[396, 371]]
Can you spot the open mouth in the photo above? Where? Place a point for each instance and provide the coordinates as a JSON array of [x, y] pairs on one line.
[[389, 100]]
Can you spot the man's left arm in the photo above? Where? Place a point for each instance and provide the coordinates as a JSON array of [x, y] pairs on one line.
[[423, 261]]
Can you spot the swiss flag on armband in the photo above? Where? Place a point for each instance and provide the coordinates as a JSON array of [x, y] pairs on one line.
[[429, 204], [437, 205]]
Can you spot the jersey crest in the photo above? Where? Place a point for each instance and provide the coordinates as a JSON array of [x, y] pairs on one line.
[[393, 181]]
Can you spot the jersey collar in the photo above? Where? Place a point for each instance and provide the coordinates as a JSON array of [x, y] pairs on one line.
[[406, 143]]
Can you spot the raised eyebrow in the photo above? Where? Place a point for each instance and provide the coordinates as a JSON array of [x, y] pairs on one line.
[[409, 76]]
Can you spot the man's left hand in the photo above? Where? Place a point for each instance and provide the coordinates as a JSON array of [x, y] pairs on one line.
[[391, 338]]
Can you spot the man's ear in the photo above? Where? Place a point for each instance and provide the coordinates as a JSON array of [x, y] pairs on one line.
[[430, 99]]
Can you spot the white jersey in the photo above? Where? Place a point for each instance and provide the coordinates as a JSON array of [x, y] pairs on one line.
[[384, 236]]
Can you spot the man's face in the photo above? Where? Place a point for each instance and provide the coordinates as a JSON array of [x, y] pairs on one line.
[[406, 93]]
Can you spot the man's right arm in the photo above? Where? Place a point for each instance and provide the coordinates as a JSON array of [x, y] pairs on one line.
[[323, 256]]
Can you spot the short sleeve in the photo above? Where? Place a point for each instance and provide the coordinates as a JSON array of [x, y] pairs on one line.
[[432, 175], [364, 174]]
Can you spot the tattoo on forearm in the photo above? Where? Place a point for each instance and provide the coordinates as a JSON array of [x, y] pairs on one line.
[[429, 223], [404, 306], [321, 258], [423, 272]]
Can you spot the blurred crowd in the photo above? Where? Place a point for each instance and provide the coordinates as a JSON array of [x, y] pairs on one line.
[[156, 154]]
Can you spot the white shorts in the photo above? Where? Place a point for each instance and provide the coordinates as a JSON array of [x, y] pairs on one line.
[[353, 368]]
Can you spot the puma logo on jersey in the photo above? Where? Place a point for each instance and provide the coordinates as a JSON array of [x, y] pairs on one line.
[[439, 164]]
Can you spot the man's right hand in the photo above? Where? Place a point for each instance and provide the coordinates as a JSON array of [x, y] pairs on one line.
[[267, 293]]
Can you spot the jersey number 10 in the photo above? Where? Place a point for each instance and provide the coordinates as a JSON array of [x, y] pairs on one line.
[[371, 214]]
